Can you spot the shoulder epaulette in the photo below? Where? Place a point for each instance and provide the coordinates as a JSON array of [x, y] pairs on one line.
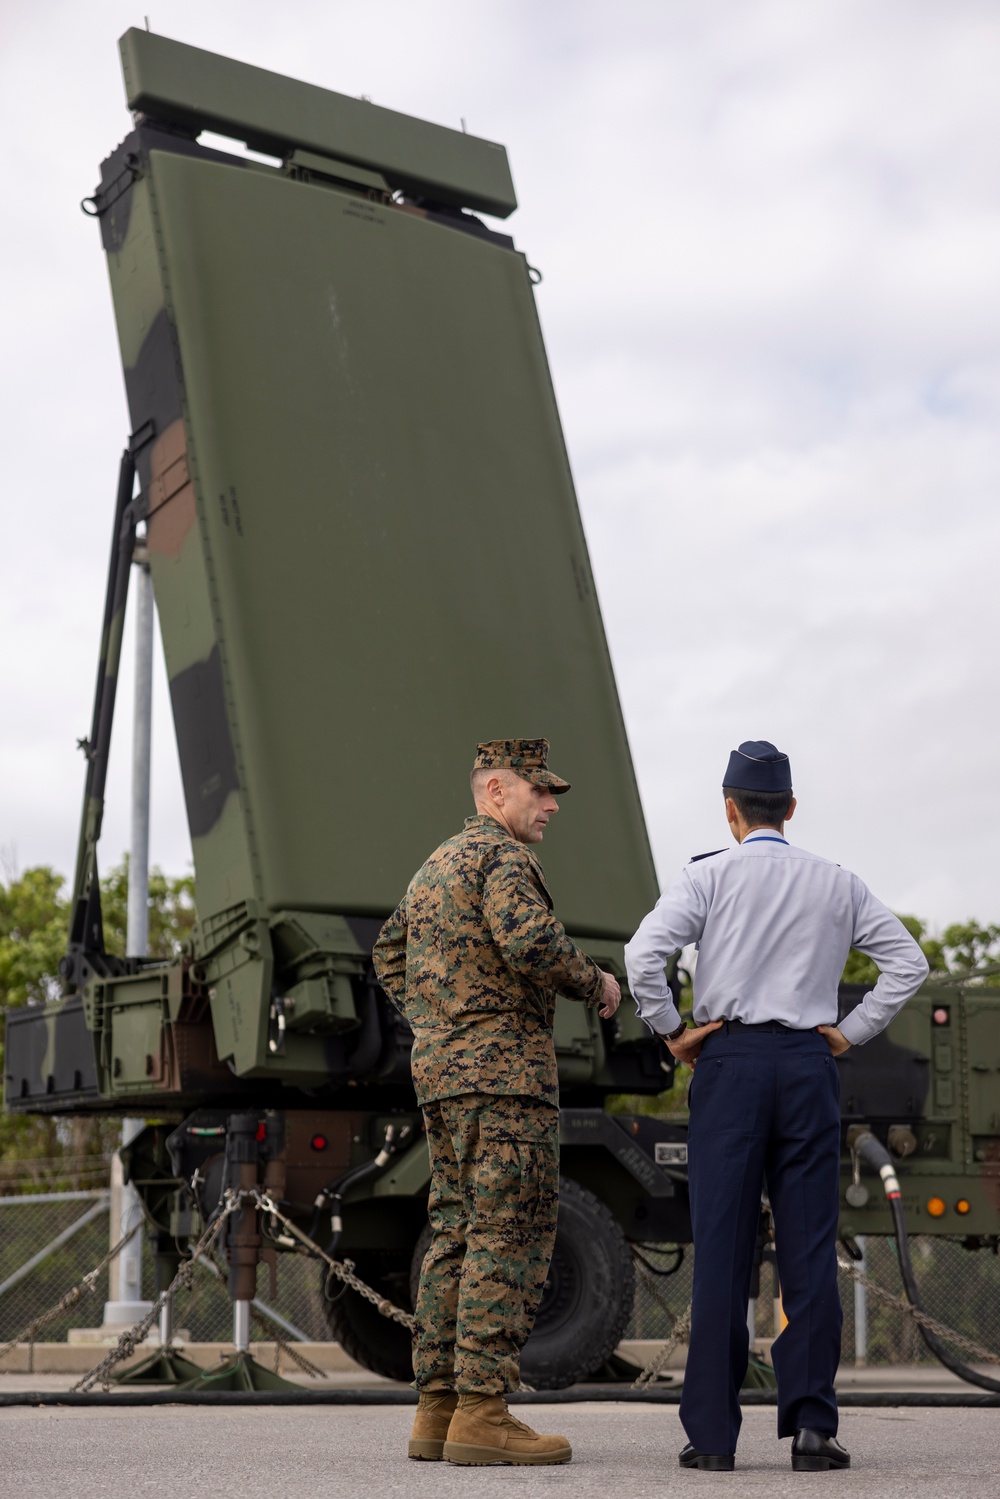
[[710, 855]]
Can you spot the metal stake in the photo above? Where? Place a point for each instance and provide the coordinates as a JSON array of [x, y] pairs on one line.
[[167, 1322]]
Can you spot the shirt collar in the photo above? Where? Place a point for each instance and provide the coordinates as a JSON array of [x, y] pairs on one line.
[[488, 823], [761, 833]]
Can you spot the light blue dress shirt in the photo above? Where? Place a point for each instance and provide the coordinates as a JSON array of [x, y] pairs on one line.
[[773, 926]]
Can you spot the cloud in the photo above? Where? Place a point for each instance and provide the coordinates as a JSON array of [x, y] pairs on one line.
[[769, 235]]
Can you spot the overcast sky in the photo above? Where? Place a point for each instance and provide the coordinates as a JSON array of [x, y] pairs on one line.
[[770, 237]]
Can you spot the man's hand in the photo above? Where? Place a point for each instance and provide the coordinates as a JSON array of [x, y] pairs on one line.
[[687, 1048], [611, 998], [835, 1039]]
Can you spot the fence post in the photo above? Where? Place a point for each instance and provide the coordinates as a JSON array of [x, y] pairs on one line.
[[861, 1308], [128, 1305]]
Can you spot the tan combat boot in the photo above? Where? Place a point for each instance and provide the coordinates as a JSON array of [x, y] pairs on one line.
[[483, 1431], [435, 1409]]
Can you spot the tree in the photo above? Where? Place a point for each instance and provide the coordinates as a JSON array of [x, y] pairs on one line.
[[962, 949], [34, 920], [33, 917], [860, 969], [171, 911]]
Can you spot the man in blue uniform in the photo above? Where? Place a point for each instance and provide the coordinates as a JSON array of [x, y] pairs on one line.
[[773, 925]]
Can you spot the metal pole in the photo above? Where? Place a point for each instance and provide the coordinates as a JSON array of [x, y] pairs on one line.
[[241, 1326], [861, 1308], [129, 1306], [137, 939]]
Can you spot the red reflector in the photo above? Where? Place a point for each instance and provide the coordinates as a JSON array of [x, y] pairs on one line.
[[318, 1142], [261, 1131], [941, 1016]]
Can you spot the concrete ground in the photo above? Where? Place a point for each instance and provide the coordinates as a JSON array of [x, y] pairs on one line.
[[620, 1452]]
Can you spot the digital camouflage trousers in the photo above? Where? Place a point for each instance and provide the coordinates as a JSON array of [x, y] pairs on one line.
[[493, 1201]]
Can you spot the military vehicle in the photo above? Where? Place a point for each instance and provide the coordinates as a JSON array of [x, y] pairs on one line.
[[347, 469]]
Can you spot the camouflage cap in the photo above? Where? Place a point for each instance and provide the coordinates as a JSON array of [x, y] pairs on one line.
[[528, 757]]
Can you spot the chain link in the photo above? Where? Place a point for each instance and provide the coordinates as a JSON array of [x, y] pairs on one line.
[[84, 1287], [924, 1319], [680, 1327], [133, 1336], [344, 1271]]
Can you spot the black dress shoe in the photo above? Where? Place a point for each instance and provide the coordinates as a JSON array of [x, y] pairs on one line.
[[718, 1462], [812, 1452]]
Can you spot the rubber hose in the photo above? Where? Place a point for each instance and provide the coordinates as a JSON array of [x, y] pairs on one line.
[[875, 1153], [337, 1190], [334, 1193]]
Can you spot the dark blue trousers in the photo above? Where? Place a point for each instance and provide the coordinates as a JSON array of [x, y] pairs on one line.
[[763, 1104]]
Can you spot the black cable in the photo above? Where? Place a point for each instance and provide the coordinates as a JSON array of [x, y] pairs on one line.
[[394, 1395], [330, 1198], [875, 1153], [677, 1250]]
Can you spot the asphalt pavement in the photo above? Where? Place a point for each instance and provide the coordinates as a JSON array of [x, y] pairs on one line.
[[620, 1452]]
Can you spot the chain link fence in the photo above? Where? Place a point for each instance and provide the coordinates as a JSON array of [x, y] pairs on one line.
[[34, 1224], [959, 1287], [49, 1241]]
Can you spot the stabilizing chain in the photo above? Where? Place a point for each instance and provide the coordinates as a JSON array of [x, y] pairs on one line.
[[84, 1287], [342, 1270], [133, 1336], [682, 1325], [948, 1334]]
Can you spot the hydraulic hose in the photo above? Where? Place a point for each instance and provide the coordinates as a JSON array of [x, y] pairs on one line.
[[331, 1197], [864, 1144]]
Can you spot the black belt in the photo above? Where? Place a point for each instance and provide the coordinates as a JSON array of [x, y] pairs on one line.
[[771, 1026]]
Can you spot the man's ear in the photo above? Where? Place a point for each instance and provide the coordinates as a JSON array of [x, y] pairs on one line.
[[791, 808]]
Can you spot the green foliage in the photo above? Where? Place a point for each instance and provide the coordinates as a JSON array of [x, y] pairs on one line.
[[966, 947], [33, 916], [171, 911], [969, 947], [34, 920]]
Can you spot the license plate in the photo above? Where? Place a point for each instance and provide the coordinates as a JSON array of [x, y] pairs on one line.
[[669, 1154]]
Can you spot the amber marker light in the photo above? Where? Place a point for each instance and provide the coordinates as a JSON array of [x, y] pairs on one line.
[[963, 1205], [936, 1207]]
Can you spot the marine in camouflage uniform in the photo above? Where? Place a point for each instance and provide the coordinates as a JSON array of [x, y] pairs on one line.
[[474, 959]]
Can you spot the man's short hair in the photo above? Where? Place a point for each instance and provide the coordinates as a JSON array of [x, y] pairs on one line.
[[766, 809], [480, 776]]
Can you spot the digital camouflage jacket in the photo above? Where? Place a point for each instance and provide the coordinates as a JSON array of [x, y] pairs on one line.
[[474, 958]]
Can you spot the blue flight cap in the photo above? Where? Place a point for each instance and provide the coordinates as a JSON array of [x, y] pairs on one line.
[[758, 766]]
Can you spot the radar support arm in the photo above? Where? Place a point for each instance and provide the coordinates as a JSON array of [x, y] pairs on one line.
[[85, 952]]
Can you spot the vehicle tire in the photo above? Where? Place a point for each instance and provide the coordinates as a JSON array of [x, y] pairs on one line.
[[375, 1342], [588, 1296]]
